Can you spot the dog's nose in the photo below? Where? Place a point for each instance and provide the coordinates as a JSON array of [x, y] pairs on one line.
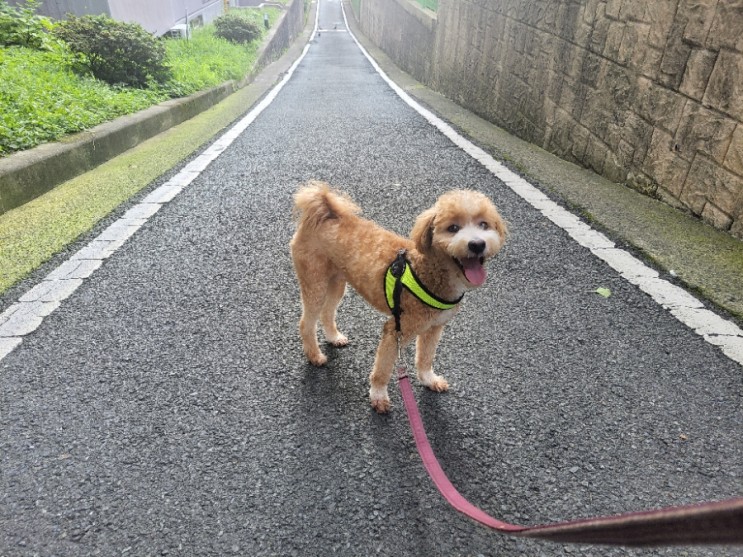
[[477, 246]]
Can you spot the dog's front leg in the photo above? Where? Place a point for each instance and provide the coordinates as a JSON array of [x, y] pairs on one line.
[[425, 350], [384, 362]]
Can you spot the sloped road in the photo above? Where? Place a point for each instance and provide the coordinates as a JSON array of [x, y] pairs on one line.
[[166, 408]]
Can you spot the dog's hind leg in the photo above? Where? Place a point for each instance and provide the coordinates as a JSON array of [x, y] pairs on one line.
[[310, 273], [308, 330], [336, 290], [425, 350]]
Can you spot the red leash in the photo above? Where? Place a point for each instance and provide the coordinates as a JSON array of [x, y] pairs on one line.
[[706, 523]]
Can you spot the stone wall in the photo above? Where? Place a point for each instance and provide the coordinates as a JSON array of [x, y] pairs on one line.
[[402, 30], [645, 93], [288, 28]]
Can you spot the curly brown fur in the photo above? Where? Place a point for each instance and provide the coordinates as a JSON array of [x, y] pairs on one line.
[[333, 246]]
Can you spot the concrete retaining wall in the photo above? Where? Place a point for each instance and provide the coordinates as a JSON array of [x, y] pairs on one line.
[[404, 31], [28, 174], [649, 94]]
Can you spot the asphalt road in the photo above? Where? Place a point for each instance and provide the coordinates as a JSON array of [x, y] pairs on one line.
[[166, 407]]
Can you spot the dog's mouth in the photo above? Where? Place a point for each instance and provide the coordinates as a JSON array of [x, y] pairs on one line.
[[473, 269]]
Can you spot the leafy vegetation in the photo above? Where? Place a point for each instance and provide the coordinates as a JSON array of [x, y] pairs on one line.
[[22, 26], [45, 92], [207, 60], [235, 28], [42, 98], [114, 51]]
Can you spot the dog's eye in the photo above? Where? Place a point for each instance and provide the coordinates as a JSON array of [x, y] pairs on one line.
[[454, 228], [484, 225]]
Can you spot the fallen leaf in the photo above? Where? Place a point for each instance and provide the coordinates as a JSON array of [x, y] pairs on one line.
[[605, 292]]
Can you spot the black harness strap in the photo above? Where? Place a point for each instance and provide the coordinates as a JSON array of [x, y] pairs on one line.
[[397, 269]]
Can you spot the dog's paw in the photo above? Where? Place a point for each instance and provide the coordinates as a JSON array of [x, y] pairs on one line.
[[439, 384], [381, 406], [339, 341], [319, 359], [380, 400], [432, 381]]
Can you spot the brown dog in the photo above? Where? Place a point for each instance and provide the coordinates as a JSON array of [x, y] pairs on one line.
[[447, 248]]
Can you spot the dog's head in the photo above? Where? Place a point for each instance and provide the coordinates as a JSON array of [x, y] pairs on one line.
[[466, 229]]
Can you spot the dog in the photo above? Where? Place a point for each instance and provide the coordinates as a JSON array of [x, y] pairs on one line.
[[442, 260]]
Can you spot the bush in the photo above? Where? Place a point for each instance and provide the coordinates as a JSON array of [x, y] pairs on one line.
[[115, 52], [22, 26], [236, 29]]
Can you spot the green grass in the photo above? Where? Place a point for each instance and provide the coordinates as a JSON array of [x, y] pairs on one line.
[[206, 60], [42, 99]]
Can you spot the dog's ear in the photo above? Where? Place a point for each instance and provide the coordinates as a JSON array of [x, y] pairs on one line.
[[422, 233]]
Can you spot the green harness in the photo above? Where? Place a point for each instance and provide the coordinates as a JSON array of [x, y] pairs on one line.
[[400, 274]]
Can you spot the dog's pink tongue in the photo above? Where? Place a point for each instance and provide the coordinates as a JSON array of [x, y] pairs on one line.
[[474, 272]]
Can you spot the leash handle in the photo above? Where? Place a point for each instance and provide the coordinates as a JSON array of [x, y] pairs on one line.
[[706, 523]]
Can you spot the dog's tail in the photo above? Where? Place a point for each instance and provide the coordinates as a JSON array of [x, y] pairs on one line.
[[316, 202]]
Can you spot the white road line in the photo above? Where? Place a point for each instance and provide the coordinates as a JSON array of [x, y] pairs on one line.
[[27, 314], [682, 305]]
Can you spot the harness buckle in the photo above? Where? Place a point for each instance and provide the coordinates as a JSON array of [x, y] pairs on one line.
[[398, 265]]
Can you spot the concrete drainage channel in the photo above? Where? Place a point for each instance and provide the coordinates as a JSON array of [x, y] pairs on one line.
[[29, 174]]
